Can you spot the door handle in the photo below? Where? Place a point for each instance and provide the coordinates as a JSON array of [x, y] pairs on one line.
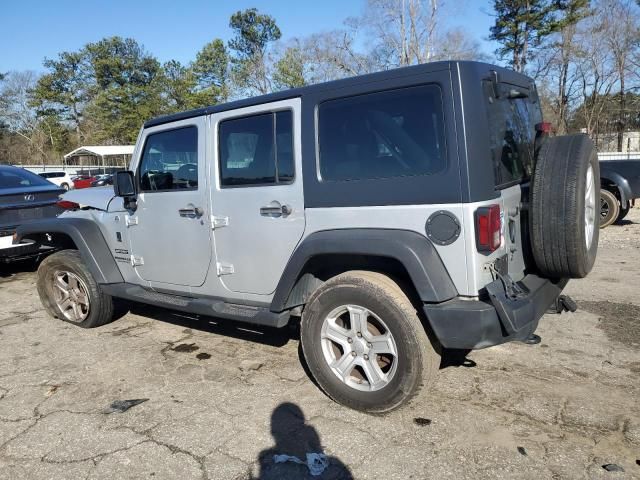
[[276, 210], [191, 212]]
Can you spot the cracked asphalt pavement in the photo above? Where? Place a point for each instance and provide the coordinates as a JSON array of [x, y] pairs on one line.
[[223, 399]]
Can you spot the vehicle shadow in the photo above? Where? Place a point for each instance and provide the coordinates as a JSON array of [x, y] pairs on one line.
[[296, 450], [8, 270], [456, 358], [274, 337], [624, 222]]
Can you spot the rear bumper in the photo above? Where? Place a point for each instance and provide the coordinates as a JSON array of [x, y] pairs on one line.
[[474, 324], [10, 252]]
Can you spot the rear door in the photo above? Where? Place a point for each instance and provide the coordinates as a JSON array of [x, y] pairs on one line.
[[257, 202], [170, 230]]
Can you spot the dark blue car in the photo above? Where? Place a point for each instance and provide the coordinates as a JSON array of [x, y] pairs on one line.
[[24, 197]]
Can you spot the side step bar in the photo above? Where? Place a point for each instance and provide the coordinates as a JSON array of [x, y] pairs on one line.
[[200, 306]]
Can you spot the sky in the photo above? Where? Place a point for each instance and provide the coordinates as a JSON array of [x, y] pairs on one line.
[[175, 29]]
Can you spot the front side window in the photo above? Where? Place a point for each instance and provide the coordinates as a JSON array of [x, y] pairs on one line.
[[256, 150], [393, 133], [170, 161]]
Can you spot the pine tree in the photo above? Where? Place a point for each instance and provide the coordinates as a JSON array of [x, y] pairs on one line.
[[520, 26]]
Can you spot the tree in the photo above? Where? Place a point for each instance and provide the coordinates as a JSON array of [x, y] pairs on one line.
[[455, 44], [65, 90], [557, 62], [211, 72], [253, 34], [289, 70], [409, 32], [27, 136], [126, 88], [622, 38], [403, 31], [520, 26], [179, 85], [596, 76]]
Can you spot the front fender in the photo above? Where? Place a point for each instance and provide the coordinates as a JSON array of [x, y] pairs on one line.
[[621, 183], [414, 251], [88, 240]]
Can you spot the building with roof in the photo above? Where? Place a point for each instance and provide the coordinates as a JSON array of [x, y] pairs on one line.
[[101, 157]]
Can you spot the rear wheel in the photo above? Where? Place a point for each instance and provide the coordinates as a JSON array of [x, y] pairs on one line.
[[69, 292], [609, 208], [364, 342], [65, 186]]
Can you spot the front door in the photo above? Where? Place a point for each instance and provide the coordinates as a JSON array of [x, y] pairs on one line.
[[257, 203], [170, 231]]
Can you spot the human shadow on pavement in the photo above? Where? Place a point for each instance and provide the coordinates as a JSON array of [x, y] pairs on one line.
[[294, 437]]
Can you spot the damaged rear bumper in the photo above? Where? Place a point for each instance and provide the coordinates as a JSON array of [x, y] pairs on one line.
[[473, 324]]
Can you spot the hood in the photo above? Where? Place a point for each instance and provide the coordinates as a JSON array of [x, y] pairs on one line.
[[96, 197]]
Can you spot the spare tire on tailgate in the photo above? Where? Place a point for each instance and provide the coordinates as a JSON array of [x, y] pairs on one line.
[[564, 220]]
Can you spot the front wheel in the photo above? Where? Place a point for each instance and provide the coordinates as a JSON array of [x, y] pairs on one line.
[[609, 208], [69, 292], [364, 343]]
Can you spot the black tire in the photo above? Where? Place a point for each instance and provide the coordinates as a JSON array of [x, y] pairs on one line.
[[417, 360], [100, 308], [65, 186], [609, 208], [559, 241], [623, 212]]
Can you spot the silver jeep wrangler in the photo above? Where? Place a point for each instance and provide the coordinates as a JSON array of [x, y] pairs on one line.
[[397, 214]]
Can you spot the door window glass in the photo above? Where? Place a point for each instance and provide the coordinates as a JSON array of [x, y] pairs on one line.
[[16, 177], [512, 129], [256, 150], [170, 161], [386, 134]]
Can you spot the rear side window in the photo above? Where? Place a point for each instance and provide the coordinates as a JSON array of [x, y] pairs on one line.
[[393, 133], [18, 177], [512, 126], [256, 150], [170, 161]]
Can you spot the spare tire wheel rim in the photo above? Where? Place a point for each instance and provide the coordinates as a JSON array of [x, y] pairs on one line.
[[71, 296], [604, 208], [359, 348], [589, 208]]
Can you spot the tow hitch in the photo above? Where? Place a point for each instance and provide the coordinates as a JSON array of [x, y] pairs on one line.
[[564, 303]]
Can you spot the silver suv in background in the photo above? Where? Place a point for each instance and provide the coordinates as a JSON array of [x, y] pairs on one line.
[[394, 215]]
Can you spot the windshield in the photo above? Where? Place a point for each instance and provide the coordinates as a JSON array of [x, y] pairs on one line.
[[17, 177]]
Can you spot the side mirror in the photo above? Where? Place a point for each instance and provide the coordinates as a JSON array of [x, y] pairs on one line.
[[124, 184]]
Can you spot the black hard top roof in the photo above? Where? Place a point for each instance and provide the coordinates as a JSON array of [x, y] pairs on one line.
[[333, 85]]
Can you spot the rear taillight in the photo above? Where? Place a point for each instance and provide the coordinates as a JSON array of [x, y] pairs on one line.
[[488, 231], [545, 128], [67, 205]]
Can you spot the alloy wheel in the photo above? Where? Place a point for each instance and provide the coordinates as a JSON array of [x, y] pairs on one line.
[[359, 348], [71, 296]]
